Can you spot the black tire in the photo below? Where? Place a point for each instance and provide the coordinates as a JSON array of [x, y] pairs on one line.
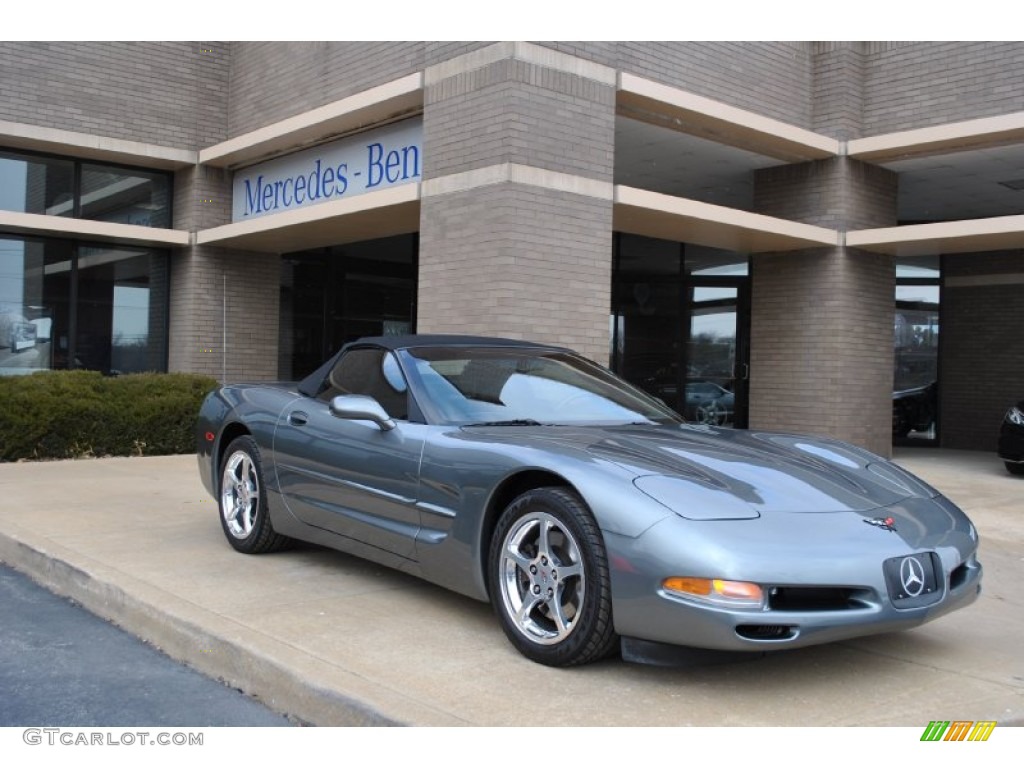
[[563, 584], [1014, 468], [243, 500]]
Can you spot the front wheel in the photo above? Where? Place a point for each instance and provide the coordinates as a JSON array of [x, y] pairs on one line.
[[549, 579], [243, 500]]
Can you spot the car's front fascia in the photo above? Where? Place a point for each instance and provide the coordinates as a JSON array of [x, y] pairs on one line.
[[822, 576]]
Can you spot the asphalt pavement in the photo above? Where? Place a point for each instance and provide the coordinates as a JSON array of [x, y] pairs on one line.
[[60, 665], [332, 640]]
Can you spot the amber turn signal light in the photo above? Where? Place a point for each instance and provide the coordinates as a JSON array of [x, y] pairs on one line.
[[715, 589]]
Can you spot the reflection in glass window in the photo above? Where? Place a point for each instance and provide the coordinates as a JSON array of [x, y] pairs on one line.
[[125, 197], [35, 290], [31, 184], [46, 185], [330, 296], [117, 324], [916, 349]]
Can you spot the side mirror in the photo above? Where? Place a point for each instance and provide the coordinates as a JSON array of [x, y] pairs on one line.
[[361, 408]]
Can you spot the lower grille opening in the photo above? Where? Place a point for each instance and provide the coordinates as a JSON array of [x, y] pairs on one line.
[[958, 576], [766, 631], [813, 599]]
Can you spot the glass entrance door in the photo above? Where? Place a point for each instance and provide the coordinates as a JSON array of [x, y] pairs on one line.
[[715, 353], [680, 324]]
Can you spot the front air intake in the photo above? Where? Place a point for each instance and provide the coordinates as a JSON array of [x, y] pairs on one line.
[[766, 631]]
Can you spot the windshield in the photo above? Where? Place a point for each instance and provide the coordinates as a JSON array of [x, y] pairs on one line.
[[516, 386]]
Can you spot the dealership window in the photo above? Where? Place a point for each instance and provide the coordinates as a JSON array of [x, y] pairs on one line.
[[680, 326], [57, 186], [65, 304], [916, 321], [330, 296]]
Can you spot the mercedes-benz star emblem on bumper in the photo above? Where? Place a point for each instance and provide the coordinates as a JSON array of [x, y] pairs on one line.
[[912, 576]]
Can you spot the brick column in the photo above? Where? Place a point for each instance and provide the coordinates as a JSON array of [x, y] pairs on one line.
[[516, 217], [821, 319], [211, 284]]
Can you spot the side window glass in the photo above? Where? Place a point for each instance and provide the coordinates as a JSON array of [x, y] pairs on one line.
[[373, 372]]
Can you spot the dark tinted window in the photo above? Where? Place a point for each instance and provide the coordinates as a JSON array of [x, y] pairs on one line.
[[372, 372]]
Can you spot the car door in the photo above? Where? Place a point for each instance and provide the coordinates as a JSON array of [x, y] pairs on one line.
[[351, 477]]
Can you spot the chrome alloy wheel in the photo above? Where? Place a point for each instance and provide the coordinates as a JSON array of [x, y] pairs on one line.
[[542, 578], [239, 494]]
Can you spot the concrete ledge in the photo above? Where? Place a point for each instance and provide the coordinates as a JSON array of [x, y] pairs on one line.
[[970, 236], [530, 53], [87, 146], [686, 112], [392, 211], [390, 101], [87, 229], [940, 139], [653, 214]]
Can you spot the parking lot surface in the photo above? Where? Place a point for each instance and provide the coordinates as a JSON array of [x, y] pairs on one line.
[[333, 640]]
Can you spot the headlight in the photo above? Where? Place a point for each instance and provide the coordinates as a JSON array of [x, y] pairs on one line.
[[1015, 416]]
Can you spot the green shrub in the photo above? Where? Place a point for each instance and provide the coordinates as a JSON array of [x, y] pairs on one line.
[[72, 414]]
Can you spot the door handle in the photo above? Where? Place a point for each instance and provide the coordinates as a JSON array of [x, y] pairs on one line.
[[298, 418], [741, 371]]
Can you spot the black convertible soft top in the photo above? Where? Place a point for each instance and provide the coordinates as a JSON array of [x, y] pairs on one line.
[[310, 386]]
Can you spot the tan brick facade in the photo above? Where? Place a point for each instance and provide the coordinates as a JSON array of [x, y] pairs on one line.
[[522, 154]]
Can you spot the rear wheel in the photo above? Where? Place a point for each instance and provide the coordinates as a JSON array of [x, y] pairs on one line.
[[243, 500], [549, 579], [1014, 468]]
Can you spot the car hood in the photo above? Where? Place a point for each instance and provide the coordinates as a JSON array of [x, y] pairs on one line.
[[759, 471]]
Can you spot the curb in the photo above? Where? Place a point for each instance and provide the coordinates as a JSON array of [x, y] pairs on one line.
[[216, 655]]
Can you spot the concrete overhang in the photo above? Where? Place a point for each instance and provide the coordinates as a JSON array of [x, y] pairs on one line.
[[974, 236], [86, 146], [940, 139], [388, 102], [13, 222], [652, 214], [686, 112], [393, 211]]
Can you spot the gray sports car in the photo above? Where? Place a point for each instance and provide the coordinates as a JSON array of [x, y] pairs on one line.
[[588, 513]]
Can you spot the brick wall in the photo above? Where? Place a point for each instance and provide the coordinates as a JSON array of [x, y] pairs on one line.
[[508, 258], [167, 93], [209, 284], [517, 261], [837, 95], [271, 81], [838, 193], [770, 78], [981, 346], [821, 356], [821, 345], [913, 85], [514, 112]]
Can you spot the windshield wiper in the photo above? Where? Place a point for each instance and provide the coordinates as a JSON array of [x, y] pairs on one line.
[[508, 423]]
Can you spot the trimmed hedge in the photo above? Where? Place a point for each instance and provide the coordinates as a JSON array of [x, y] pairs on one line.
[[77, 414]]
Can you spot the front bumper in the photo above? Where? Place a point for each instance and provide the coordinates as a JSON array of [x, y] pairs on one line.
[[839, 559]]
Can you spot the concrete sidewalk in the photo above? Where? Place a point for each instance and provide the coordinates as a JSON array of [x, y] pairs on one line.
[[333, 640]]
